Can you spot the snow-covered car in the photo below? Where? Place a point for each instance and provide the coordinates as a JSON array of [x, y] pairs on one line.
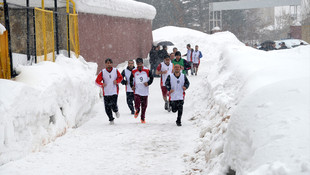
[[290, 43]]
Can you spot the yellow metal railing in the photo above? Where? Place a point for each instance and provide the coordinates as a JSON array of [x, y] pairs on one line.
[[73, 30], [1, 13], [44, 35], [5, 70]]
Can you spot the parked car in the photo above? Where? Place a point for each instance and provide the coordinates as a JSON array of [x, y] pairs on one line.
[[267, 45], [290, 43]]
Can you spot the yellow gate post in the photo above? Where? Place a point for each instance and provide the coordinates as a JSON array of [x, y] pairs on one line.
[[72, 32]]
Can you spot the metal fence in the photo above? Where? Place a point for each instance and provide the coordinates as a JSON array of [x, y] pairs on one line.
[[37, 34]]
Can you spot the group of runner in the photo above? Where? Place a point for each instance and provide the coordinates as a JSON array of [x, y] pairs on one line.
[[137, 80]]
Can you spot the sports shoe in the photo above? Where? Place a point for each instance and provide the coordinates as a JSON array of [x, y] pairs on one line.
[[142, 121], [166, 105], [136, 114], [169, 107], [132, 112], [179, 124], [112, 122], [117, 114]]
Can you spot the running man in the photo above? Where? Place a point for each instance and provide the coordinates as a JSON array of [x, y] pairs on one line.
[[140, 80], [176, 84], [108, 79], [180, 61], [129, 92], [196, 59], [164, 69], [189, 58]]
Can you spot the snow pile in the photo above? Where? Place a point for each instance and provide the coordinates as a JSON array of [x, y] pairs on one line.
[[2, 29], [252, 106], [43, 102], [120, 8]]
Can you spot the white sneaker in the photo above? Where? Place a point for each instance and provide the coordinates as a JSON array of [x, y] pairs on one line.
[[111, 122], [117, 114]]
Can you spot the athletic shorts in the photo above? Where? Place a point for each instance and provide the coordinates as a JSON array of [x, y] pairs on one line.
[[164, 91], [195, 65]]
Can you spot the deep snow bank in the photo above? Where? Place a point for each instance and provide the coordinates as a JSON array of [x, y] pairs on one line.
[[43, 102], [251, 105], [120, 8]]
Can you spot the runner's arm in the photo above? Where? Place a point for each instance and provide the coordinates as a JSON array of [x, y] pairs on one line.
[[158, 70], [119, 77], [124, 81], [99, 80], [186, 83], [167, 83], [151, 78], [131, 80]]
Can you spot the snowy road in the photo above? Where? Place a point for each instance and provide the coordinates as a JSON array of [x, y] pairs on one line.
[[128, 147]]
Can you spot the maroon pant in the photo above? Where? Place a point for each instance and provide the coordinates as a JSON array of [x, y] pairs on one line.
[[141, 101]]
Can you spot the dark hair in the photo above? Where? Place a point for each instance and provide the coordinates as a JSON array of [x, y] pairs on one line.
[[188, 45], [139, 60], [178, 53], [108, 60], [164, 46], [166, 56], [172, 53], [175, 48]]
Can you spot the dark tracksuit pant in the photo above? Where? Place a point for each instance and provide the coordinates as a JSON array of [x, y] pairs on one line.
[[177, 106], [110, 104], [141, 101], [130, 99]]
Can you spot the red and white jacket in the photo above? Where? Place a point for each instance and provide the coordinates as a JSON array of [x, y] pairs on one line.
[[107, 77], [138, 78]]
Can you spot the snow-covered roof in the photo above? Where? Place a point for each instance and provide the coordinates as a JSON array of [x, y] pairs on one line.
[[216, 28], [120, 8], [2, 29]]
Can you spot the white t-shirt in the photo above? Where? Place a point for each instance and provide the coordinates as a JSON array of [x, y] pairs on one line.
[[177, 85], [168, 68], [108, 78], [141, 77], [127, 75], [195, 57], [188, 56]]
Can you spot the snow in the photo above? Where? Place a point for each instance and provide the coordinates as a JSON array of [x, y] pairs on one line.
[[247, 109], [43, 102], [2, 29], [254, 113], [38, 3], [120, 8]]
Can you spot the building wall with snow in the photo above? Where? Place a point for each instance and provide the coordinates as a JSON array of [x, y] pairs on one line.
[[120, 30]]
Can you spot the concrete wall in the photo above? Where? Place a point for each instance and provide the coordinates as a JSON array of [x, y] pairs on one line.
[[295, 32], [117, 38]]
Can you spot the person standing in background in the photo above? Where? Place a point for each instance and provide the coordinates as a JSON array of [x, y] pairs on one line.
[[189, 59], [196, 59]]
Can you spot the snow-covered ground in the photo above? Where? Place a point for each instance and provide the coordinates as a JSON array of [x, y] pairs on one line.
[[247, 109], [253, 106]]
